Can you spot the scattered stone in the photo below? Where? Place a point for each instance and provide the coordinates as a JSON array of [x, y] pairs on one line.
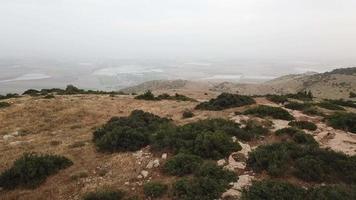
[[221, 162], [164, 156], [144, 173], [8, 137], [150, 164], [156, 163], [140, 176]]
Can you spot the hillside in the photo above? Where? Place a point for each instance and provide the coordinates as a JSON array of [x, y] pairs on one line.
[[64, 125], [334, 84]]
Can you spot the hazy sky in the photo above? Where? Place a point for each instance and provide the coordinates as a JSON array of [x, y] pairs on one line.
[[318, 30]]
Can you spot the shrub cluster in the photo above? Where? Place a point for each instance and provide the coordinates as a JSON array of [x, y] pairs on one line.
[[128, 133], [297, 136], [148, 95], [154, 189], [226, 100], [329, 105], [303, 125], [31, 170], [105, 194], [342, 102], [278, 190], [309, 163], [343, 121], [9, 96], [182, 164], [4, 104], [297, 106], [303, 96], [274, 112], [70, 90], [352, 95], [188, 114], [208, 182], [279, 99]]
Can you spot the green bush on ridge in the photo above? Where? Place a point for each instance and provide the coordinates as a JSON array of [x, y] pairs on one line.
[[31, 170], [343, 121], [224, 101], [265, 111], [148, 95]]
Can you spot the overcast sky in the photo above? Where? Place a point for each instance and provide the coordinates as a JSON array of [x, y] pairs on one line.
[[318, 30]]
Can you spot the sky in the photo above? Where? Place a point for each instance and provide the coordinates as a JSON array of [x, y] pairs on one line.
[[301, 30]]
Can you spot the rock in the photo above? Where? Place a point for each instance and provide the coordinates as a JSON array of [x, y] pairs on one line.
[[221, 162], [19, 133], [156, 163], [234, 139], [140, 176], [8, 137], [164, 156], [246, 148], [150, 164], [144, 173], [231, 193], [127, 183], [243, 181]]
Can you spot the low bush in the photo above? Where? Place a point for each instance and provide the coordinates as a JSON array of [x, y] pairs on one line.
[[148, 95], [343, 121], [182, 164], [342, 102], [276, 190], [303, 125], [256, 128], [4, 104], [208, 183], [352, 95], [274, 112], [313, 111], [31, 170], [154, 189], [127, 133], [303, 96], [49, 96], [32, 92], [188, 114], [9, 96], [279, 190], [330, 106], [309, 163], [297, 106], [69, 90], [105, 194], [279, 99], [226, 100], [297, 136]]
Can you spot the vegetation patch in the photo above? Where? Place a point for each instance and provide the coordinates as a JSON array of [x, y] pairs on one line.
[[303, 125], [148, 95], [307, 162], [279, 190], [188, 114], [226, 100], [297, 106], [303, 96], [297, 136], [182, 164], [329, 105], [9, 96], [31, 170], [128, 133], [343, 121], [279, 99], [313, 111], [352, 95], [154, 189], [70, 90], [4, 104], [274, 112], [105, 194], [209, 182], [342, 102]]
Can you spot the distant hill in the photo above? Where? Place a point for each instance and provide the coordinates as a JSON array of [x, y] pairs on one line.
[[337, 83]]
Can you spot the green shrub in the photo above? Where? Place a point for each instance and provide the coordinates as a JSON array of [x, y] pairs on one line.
[[309, 163], [277, 98], [182, 164], [154, 189], [342, 102], [303, 96], [107, 194], [209, 182], [330, 106], [297, 136], [9, 96], [274, 112], [188, 114], [177, 97], [255, 128], [127, 133], [148, 95], [313, 111], [297, 106], [352, 95], [31, 170], [336, 192], [276, 190], [4, 104], [32, 92], [226, 100], [343, 121], [303, 125]]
